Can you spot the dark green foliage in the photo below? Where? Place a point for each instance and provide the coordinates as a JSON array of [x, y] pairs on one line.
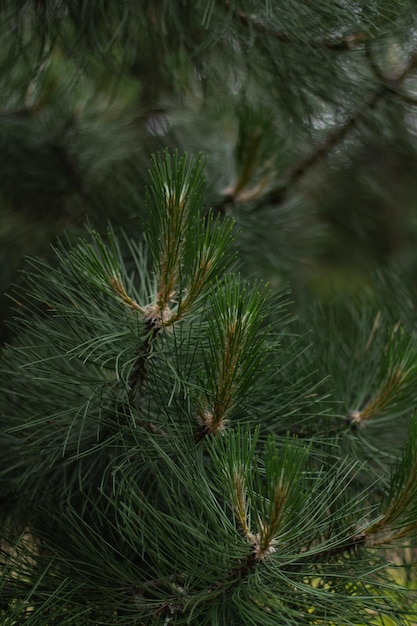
[[180, 441], [173, 451]]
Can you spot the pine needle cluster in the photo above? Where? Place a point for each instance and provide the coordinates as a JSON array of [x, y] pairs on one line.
[[174, 452]]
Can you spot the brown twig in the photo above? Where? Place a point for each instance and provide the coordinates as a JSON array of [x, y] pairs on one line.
[[350, 544], [276, 196], [376, 70], [138, 375], [138, 372], [338, 44], [389, 85], [25, 111]]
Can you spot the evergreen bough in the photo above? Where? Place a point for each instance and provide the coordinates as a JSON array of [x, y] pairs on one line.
[[306, 111], [179, 448], [178, 444]]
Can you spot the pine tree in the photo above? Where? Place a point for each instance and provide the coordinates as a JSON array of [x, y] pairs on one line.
[[182, 442]]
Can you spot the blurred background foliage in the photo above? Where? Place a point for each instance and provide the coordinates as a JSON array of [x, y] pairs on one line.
[[307, 113]]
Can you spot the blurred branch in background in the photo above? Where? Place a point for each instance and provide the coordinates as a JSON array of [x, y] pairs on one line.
[[90, 91]]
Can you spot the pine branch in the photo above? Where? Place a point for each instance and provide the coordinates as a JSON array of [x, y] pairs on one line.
[[388, 86], [23, 112], [279, 194], [399, 519], [335, 137], [338, 44], [379, 75], [236, 354], [187, 528], [351, 544], [395, 384], [138, 372]]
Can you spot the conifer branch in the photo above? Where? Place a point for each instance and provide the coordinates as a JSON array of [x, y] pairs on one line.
[[214, 419], [351, 544], [265, 539], [339, 134], [383, 397], [373, 330], [396, 380], [262, 543], [240, 504], [389, 86], [373, 64], [172, 248], [279, 194], [338, 44], [399, 520], [117, 364], [235, 355], [188, 252], [116, 284], [23, 112], [335, 137], [138, 371], [181, 602]]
